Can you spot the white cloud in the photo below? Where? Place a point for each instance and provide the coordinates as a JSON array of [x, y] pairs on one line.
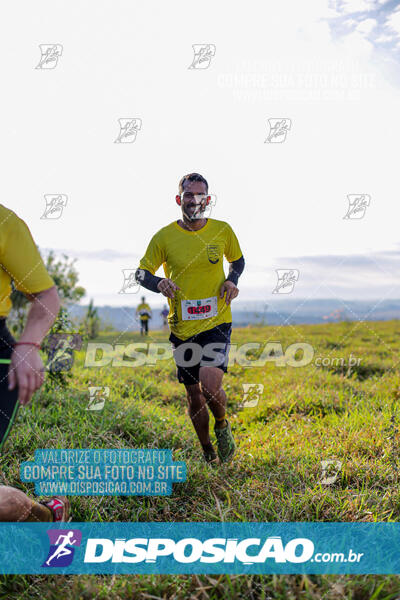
[[393, 22], [106, 254], [351, 6], [366, 26], [357, 45], [382, 39]]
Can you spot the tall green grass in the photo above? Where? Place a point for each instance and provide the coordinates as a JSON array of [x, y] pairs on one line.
[[305, 415]]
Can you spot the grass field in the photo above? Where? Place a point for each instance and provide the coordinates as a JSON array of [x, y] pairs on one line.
[[305, 415]]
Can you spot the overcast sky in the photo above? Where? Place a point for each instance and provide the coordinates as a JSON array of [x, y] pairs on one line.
[[330, 68]]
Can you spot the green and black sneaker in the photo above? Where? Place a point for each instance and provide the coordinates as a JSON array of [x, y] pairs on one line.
[[226, 443]]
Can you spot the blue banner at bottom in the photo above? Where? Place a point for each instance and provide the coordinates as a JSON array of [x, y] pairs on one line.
[[163, 548]]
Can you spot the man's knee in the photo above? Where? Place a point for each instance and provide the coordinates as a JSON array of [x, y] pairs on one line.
[[14, 504], [194, 395], [211, 382]]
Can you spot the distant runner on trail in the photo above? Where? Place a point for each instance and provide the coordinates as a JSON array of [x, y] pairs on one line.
[[143, 311], [164, 315], [21, 368], [191, 251]]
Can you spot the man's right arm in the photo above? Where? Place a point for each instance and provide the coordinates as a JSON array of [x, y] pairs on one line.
[[149, 264], [21, 259], [26, 368], [148, 280], [153, 259]]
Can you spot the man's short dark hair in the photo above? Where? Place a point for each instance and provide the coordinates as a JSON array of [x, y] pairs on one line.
[[191, 177]]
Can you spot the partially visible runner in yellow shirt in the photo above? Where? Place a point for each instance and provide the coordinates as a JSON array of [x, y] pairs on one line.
[[20, 260], [21, 368]]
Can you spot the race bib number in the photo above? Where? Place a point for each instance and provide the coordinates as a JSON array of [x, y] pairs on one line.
[[199, 309]]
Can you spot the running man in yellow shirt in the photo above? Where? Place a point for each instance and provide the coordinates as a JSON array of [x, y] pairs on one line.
[[143, 311], [21, 368], [191, 251]]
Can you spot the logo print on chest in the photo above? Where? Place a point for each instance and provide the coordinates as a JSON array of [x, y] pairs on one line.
[[213, 253]]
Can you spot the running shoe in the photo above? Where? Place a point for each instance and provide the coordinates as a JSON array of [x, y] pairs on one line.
[[226, 443], [59, 506]]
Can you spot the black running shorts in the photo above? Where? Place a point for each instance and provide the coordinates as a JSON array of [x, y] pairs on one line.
[[205, 349]]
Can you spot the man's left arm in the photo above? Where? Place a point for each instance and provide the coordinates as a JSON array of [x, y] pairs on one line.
[[236, 267], [229, 286]]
